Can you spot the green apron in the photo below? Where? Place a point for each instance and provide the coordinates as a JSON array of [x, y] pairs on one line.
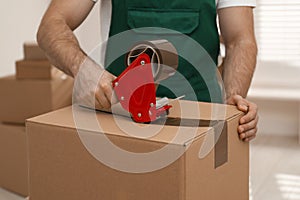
[[194, 18]]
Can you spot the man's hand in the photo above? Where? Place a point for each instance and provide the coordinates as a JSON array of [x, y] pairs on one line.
[[93, 86], [248, 123], [237, 29]]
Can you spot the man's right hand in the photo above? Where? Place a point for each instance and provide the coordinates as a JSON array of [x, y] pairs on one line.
[[93, 86]]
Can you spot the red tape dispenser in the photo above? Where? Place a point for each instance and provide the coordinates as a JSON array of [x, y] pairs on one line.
[[148, 63]]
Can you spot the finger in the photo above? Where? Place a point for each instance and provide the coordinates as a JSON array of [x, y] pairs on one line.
[[101, 98], [248, 126], [251, 115], [249, 138], [89, 101], [106, 87], [97, 101], [248, 134], [98, 105], [243, 105], [109, 93]]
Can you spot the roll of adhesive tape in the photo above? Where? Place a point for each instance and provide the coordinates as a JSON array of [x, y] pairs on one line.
[[163, 55]]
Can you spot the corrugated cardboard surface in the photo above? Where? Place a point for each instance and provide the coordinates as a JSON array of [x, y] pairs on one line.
[[13, 159], [22, 99], [228, 181], [33, 52], [67, 171], [33, 69], [62, 168]]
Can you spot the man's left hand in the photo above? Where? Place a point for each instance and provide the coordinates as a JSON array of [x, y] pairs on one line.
[[248, 123]]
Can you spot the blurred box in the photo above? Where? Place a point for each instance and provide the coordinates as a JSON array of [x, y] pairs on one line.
[[14, 159], [33, 52], [62, 166], [34, 69], [22, 99]]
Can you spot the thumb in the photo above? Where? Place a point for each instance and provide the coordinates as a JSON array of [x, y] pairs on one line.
[[242, 105], [238, 101]]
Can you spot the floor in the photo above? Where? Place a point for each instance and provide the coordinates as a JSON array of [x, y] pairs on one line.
[[275, 170], [5, 195]]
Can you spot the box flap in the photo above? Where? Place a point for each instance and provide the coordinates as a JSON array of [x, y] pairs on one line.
[[89, 120]]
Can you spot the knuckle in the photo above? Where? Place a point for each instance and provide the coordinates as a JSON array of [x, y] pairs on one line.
[[102, 85], [106, 88]]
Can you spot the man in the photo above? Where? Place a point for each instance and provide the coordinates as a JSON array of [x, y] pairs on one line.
[[56, 38]]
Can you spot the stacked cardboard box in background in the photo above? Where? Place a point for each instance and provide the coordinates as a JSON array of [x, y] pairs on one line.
[[13, 158], [36, 88], [34, 65]]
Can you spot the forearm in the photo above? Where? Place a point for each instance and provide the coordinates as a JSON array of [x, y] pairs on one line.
[[60, 44], [239, 66]]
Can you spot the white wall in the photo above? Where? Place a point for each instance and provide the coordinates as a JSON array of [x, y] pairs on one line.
[[88, 33], [280, 118], [19, 20], [279, 103]]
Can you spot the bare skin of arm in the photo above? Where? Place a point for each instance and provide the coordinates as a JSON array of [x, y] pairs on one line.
[[55, 36], [237, 29]]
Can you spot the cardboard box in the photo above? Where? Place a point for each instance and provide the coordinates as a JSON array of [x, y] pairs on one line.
[[14, 159], [22, 99], [62, 168], [34, 69], [33, 52]]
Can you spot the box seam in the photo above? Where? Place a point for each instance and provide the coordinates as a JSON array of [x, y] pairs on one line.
[[234, 116]]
